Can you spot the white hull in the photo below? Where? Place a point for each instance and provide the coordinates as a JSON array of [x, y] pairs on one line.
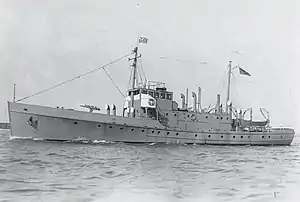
[[67, 125]]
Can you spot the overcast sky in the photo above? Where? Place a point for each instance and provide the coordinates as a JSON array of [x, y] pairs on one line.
[[43, 43]]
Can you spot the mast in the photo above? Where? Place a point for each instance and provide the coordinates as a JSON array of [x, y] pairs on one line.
[[136, 56], [228, 87], [14, 96]]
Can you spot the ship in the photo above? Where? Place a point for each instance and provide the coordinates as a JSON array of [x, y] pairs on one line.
[[149, 115]]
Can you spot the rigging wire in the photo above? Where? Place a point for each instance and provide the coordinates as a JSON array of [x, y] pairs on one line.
[[220, 86], [77, 77], [139, 75], [113, 82], [182, 60], [142, 68], [129, 81]]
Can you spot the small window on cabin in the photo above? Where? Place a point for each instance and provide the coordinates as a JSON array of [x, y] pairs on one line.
[[151, 93], [169, 96], [162, 96], [144, 92], [156, 95]]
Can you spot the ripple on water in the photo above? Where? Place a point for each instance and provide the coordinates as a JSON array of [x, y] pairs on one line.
[[113, 172]]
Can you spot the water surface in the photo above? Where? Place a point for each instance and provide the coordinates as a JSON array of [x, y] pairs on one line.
[[53, 171]]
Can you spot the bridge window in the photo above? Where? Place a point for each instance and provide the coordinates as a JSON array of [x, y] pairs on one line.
[[135, 92], [156, 95], [151, 93], [162, 96], [169, 96]]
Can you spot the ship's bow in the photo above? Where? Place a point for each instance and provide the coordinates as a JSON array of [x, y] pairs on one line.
[[20, 121]]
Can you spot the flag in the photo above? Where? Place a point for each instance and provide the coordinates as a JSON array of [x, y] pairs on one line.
[[244, 72], [143, 39]]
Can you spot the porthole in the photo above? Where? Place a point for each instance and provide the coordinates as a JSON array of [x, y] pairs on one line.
[[217, 117], [196, 135], [25, 109], [121, 128], [152, 131], [233, 137], [143, 131], [221, 118], [188, 116], [249, 137], [175, 114], [206, 117], [280, 136], [168, 133], [167, 114], [209, 136], [176, 133], [242, 137], [99, 126], [269, 136], [132, 129], [75, 122], [263, 137], [221, 136], [158, 132], [227, 118], [110, 126]]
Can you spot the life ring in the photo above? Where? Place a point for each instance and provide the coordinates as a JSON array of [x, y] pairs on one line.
[[151, 102], [193, 117]]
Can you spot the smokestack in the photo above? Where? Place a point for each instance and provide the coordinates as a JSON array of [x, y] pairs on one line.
[[113, 110], [187, 98], [107, 109], [194, 102], [218, 103], [199, 99], [183, 100]]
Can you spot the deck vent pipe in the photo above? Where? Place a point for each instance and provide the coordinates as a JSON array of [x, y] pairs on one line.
[[194, 101], [187, 98], [107, 108], [113, 110], [199, 99], [218, 103], [182, 101]]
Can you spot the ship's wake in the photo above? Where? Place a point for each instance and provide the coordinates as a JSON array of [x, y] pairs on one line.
[[79, 140]]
